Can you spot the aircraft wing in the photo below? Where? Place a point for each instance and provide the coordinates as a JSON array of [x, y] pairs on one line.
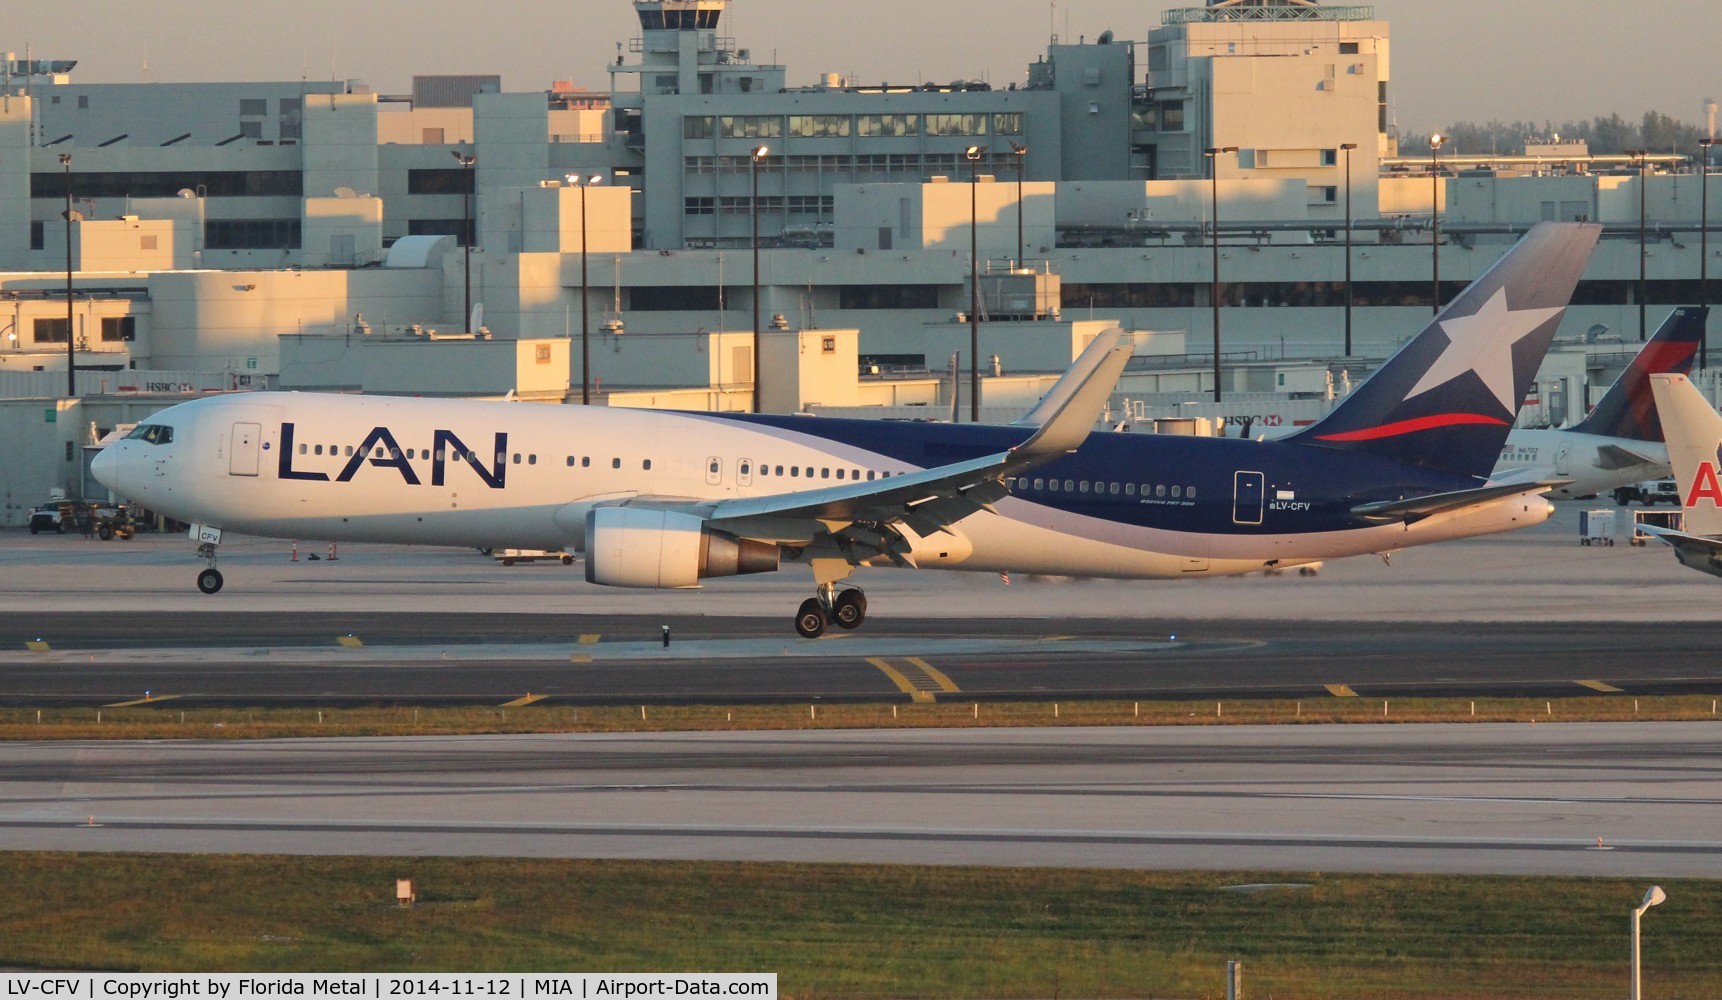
[[932, 500], [864, 519], [1417, 508]]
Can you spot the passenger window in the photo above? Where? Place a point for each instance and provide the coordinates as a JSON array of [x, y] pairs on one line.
[[1177, 491], [1160, 490], [1114, 489], [839, 473], [532, 460], [1069, 486], [779, 471], [571, 461], [615, 463], [823, 473], [517, 458], [646, 465], [795, 471], [317, 450], [1040, 484], [1190, 494], [304, 449], [870, 475], [349, 451], [746, 468], [586, 462], [1129, 489], [1052, 486]]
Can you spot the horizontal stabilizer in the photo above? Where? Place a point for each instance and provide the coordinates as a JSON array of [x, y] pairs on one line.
[[1417, 508], [1699, 552], [1612, 457]]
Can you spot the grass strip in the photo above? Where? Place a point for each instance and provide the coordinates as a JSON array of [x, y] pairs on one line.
[[167, 721], [864, 931]]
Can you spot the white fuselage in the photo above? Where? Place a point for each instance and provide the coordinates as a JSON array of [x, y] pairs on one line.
[[1583, 458]]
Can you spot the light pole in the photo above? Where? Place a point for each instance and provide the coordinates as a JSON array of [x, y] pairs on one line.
[[71, 352], [585, 291], [1347, 147], [759, 154], [1651, 898], [1704, 247], [974, 156], [466, 162], [1021, 152], [1435, 142], [1213, 154], [1641, 156]]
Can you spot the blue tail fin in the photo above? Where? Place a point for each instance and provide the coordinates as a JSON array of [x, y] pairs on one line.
[[1448, 398], [1628, 409]]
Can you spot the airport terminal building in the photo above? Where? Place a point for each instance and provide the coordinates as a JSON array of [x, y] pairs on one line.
[[321, 235]]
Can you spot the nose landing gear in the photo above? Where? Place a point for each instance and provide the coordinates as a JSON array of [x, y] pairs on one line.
[[846, 610], [209, 581]]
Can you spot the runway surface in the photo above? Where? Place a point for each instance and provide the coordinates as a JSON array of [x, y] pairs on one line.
[[437, 659], [1509, 799]]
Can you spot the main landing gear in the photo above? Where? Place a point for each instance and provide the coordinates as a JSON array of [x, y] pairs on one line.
[[209, 581], [846, 610]]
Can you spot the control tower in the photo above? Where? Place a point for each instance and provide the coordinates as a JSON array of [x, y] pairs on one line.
[[681, 50]]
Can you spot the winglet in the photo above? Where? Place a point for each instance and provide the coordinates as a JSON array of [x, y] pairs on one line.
[[1066, 414], [1694, 431]]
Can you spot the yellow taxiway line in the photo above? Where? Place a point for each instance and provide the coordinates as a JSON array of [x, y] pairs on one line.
[[1599, 686], [142, 701], [1340, 690]]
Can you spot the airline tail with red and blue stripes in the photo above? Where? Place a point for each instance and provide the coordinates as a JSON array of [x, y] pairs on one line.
[[1628, 408], [1448, 398]]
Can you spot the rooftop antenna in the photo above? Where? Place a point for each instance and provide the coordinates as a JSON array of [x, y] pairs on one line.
[[1052, 22]]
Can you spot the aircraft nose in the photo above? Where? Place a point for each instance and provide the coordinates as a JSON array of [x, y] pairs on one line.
[[106, 467]]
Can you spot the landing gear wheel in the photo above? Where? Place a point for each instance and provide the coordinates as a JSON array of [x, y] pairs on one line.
[[850, 610], [209, 581], [811, 621]]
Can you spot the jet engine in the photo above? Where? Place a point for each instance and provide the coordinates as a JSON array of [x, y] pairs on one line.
[[663, 550]]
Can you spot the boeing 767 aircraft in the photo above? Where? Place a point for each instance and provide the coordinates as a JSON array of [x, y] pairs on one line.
[[665, 500]]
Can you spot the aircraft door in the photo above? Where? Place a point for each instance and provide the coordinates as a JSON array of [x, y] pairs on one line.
[[243, 454], [1249, 493], [744, 472], [1563, 459], [714, 471]]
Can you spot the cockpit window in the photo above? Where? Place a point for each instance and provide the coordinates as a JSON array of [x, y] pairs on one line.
[[153, 433]]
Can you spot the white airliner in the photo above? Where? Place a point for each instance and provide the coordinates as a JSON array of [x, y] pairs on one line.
[[664, 500], [1694, 430], [1620, 442]]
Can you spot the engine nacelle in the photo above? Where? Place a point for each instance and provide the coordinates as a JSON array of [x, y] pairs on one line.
[[662, 550]]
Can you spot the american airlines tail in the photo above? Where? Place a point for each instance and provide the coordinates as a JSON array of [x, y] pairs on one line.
[[1694, 430]]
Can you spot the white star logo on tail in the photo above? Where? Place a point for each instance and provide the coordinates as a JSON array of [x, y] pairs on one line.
[[1483, 343]]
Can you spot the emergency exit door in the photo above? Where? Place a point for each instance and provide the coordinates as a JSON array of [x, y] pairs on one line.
[[243, 455]]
